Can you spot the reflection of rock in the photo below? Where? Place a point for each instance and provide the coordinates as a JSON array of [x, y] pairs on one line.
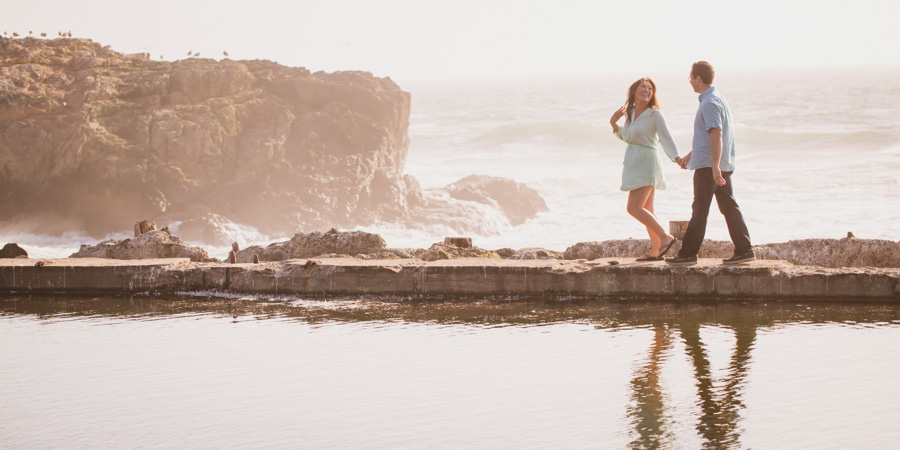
[[150, 245], [315, 244], [13, 251], [809, 252]]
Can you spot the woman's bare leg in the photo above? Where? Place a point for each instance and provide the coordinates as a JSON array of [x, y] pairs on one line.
[[638, 200], [655, 242]]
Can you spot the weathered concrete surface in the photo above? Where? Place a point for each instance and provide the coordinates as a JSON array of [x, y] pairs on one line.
[[459, 277], [836, 253]]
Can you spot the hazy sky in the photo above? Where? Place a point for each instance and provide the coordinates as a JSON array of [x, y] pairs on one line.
[[410, 39]]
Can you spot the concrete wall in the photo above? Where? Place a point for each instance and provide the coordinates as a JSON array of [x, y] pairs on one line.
[[458, 278]]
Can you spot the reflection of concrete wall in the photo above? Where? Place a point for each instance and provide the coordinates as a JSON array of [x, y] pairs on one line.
[[456, 278]]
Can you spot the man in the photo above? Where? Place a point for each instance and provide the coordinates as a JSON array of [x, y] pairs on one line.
[[712, 160]]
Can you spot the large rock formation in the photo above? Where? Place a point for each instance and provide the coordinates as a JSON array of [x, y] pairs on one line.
[[91, 138]]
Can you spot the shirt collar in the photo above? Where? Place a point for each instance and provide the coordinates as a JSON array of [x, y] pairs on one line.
[[707, 93]]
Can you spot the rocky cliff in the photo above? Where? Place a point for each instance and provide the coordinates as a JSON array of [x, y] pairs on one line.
[[91, 139]]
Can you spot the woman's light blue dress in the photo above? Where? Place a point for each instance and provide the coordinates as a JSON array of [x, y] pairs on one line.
[[643, 166]]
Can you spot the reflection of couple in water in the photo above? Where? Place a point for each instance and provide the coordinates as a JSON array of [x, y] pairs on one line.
[[711, 158], [653, 412]]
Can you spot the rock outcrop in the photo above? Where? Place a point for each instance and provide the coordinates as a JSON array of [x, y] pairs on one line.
[[12, 250], [91, 138], [314, 244], [517, 201], [150, 245], [807, 252], [440, 251], [834, 252]]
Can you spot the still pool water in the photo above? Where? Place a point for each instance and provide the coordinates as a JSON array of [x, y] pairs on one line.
[[197, 372]]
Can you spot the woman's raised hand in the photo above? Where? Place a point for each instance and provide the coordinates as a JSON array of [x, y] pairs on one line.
[[616, 116]]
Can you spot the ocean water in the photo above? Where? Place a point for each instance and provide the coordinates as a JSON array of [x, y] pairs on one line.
[[818, 152], [818, 155]]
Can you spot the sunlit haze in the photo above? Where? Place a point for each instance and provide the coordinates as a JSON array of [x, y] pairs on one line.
[[411, 39]]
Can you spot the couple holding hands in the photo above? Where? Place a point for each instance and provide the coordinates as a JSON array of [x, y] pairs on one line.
[[711, 158]]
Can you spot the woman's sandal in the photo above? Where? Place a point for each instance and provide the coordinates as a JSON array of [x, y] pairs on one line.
[[665, 249], [647, 257]]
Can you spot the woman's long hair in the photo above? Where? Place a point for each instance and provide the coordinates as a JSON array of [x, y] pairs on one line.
[[654, 103]]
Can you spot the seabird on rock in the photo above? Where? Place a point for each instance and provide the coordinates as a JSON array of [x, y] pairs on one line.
[[43, 34], [69, 33], [15, 34], [190, 52]]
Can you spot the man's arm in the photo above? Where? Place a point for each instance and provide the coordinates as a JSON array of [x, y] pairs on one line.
[[715, 144]]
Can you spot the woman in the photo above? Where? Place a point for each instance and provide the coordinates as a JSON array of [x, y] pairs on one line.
[[644, 127]]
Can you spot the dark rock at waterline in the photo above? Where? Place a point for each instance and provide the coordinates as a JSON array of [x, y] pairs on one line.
[[315, 244], [91, 138], [150, 245], [13, 250]]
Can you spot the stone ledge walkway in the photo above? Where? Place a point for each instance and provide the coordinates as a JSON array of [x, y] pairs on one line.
[[464, 278]]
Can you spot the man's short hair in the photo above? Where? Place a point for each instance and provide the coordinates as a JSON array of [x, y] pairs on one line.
[[704, 70]]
